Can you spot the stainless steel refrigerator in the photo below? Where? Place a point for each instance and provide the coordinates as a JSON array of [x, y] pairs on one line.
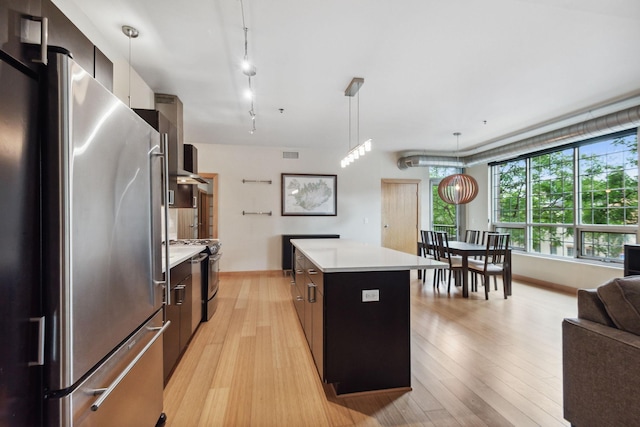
[[102, 262]]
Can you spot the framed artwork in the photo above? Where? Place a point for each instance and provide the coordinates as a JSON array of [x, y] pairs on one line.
[[309, 195]]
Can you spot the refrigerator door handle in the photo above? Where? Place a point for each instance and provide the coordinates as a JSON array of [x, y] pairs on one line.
[[164, 153], [40, 321], [44, 38], [105, 392]]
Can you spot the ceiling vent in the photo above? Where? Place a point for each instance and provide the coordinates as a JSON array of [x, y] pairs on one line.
[[290, 155]]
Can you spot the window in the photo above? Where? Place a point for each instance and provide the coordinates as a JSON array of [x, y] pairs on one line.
[[579, 200], [511, 186], [444, 217]]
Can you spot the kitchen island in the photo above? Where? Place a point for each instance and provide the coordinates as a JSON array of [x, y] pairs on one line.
[[352, 300]]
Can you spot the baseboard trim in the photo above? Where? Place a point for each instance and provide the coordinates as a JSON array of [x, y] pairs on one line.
[[544, 284], [251, 273]]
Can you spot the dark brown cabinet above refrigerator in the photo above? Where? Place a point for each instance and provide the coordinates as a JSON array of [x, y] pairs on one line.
[[180, 195], [164, 126], [21, 24]]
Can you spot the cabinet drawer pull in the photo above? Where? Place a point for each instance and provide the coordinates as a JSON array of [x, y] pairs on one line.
[[311, 287], [312, 271]]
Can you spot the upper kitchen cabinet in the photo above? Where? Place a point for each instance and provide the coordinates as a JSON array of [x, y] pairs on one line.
[[102, 69], [64, 34], [164, 126], [183, 158], [21, 23], [19, 29]]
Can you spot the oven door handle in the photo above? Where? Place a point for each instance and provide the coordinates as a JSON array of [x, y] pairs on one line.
[[215, 257], [199, 259]]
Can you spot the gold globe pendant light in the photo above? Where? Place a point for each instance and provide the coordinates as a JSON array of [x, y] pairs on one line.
[[459, 188]]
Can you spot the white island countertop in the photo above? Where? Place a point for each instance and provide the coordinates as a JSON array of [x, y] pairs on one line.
[[342, 255]]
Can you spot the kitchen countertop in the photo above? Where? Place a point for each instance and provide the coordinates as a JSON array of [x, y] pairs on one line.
[[342, 255], [177, 254]]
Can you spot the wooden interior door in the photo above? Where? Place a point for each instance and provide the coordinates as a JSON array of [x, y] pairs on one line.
[[204, 208], [212, 203], [400, 214], [186, 223]]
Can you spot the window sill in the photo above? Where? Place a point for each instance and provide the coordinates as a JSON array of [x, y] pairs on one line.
[[608, 264]]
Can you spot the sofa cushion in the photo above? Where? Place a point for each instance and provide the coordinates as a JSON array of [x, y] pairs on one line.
[[590, 307], [621, 298]]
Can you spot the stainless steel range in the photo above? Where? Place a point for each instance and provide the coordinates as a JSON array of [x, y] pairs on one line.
[[210, 270]]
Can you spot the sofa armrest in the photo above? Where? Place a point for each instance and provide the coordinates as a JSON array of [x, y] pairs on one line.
[[590, 307], [601, 374]]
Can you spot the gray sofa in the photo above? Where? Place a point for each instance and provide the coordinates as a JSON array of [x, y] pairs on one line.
[[601, 356]]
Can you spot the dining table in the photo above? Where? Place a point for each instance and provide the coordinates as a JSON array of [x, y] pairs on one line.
[[466, 250]]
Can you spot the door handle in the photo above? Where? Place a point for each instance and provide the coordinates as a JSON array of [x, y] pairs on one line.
[[386, 226], [44, 37], [164, 154], [40, 322]]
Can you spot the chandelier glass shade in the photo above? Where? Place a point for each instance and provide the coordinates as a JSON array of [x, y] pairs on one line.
[[458, 189]]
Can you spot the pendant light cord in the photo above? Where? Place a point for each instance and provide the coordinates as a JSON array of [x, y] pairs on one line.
[[129, 71], [349, 142], [358, 118]]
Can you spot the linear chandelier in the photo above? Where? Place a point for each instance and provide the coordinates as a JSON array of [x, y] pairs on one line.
[[361, 149]]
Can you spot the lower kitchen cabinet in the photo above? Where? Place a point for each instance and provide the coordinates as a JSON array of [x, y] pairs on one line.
[[356, 345], [308, 299], [178, 311], [316, 305]]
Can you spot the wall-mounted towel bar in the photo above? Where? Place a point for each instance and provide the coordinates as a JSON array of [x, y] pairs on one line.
[[256, 213], [257, 181]]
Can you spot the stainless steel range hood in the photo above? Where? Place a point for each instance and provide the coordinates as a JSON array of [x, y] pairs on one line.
[[185, 177], [189, 172]]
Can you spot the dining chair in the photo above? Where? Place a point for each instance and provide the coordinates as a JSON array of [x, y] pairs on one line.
[[494, 262], [426, 249], [429, 250], [471, 236], [454, 261], [482, 240]]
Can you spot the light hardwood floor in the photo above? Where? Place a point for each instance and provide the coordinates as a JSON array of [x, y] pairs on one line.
[[474, 362]]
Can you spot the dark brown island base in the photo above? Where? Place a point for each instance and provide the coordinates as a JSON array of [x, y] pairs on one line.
[[352, 300]]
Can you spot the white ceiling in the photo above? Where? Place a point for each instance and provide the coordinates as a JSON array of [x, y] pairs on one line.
[[489, 69]]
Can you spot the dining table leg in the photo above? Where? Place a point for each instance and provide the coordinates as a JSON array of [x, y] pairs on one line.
[[465, 275], [508, 259], [420, 253]]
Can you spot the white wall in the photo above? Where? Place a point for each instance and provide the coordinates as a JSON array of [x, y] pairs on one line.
[[141, 94], [253, 242]]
